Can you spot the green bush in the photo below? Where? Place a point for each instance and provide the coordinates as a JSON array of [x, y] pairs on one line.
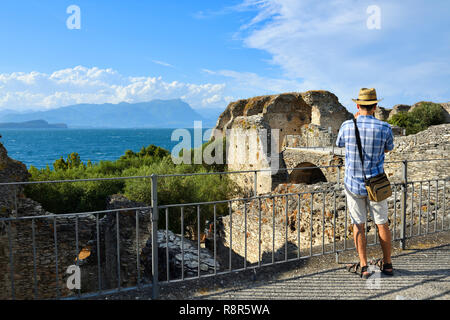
[[420, 118], [91, 196], [68, 197]]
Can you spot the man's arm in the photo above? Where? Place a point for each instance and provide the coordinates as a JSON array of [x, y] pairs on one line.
[[340, 139], [389, 146]]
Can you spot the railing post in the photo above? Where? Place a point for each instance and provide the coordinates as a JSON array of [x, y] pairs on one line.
[[332, 143], [339, 175], [403, 202], [255, 181], [155, 284]]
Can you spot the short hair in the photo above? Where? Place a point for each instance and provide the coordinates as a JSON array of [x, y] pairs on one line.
[[368, 107]]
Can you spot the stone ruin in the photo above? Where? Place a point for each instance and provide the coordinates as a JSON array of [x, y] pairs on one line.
[[311, 118], [433, 143], [10, 171], [292, 114], [288, 111]]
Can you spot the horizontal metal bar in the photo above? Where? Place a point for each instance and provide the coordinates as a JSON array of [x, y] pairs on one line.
[[107, 292], [419, 160], [265, 196], [244, 171], [163, 175], [72, 180], [75, 214], [242, 199], [200, 173]]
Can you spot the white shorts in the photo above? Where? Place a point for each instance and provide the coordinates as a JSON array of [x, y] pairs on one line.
[[358, 206]]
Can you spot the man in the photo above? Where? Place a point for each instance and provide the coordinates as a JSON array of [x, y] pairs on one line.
[[376, 140]]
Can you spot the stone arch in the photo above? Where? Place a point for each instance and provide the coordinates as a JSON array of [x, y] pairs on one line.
[[308, 176]]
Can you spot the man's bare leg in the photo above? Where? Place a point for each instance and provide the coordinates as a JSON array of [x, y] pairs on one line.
[[385, 241], [360, 243]]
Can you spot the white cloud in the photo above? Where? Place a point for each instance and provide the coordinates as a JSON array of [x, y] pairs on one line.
[[327, 45], [208, 71], [162, 63], [255, 84], [80, 84]]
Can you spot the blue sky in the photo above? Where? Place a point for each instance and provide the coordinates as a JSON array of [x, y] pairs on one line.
[[212, 52]]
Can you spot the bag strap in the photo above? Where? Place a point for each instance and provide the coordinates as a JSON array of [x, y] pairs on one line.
[[358, 142]]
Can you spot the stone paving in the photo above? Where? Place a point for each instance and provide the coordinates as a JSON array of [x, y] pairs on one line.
[[422, 272], [418, 275]]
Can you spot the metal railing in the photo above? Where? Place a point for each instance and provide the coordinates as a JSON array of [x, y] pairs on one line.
[[426, 215]]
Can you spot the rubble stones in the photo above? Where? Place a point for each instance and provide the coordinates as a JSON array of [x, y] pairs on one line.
[[189, 255]]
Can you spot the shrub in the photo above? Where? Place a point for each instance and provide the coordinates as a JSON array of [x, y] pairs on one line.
[[91, 196], [420, 118], [71, 196]]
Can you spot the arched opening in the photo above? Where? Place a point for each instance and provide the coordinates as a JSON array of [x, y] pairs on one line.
[[308, 176]]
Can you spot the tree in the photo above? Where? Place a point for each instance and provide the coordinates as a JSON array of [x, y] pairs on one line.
[[60, 164], [74, 161], [145, 152]]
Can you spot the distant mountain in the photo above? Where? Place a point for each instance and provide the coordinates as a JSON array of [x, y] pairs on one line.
[[153, 114], [34, 124], [6, 112], [210, 113]]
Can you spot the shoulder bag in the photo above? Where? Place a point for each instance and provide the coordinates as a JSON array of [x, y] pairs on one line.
[[378, 187]]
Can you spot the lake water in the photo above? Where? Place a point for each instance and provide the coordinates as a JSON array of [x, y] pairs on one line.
[[39, 147]]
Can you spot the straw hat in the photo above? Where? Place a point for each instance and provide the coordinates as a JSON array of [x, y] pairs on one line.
[[367, 97]]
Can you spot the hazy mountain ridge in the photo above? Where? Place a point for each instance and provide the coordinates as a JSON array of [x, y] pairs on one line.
[[153, 114]]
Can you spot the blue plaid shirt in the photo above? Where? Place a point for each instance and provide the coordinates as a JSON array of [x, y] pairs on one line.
[[376, 136]]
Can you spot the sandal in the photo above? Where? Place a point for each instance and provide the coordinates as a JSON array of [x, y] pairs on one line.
[[353, 268], [383, 266], [368, 274]]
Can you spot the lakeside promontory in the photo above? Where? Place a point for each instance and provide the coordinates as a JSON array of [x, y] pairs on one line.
[[33, 124]]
